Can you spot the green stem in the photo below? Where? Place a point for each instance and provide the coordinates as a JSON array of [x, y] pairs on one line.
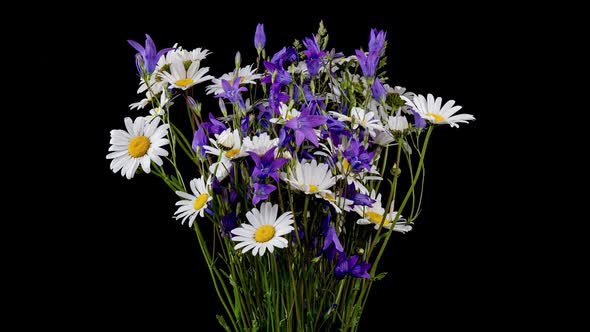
[[214, 276]]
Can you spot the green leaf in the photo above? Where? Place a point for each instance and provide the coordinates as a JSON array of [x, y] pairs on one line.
[[380, 276], [322, 30], [222, 322]]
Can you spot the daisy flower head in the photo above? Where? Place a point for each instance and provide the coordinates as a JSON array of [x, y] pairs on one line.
[[151, 89], [196, 55], [227, 144], [338, 203], [359, 116], [181, 78], [259, 144], [374, 216], [193, 205], [264, 231], [311, 178], [398, 124], [246, 75], [220, 168], [140, 144], [160, 109], [285, 114], [430, 109], [384, 138]]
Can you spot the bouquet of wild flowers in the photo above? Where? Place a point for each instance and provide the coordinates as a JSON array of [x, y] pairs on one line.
[[284, 190]]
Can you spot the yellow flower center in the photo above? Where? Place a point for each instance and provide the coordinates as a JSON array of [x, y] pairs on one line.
[[264, 233], [437, 117], [346, 165], [313, 188], [376, 218], [329, 197], [289, 116], [184, 82], [200, 201], [231, 82], [138, 146], [231, 153]]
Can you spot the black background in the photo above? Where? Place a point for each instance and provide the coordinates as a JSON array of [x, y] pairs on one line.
[[125, 262]]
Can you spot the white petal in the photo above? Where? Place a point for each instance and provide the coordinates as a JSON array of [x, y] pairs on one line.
[[145, 163]]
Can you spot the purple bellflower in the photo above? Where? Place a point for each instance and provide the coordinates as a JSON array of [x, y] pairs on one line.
[[199, 140], [285, 54], [282, 76], [331, 244], [358, 157], [259, 37], [149, 54], [245, 125], [303, 126], [357, 197], [351, 266], [377, 41], [285, 138], [228, 222], [336, 129], [314, 55], [214, 126], [231, 91], [419, 122], [378, 89], [261, 192], [276, 97], [368, 63], [267, 165]]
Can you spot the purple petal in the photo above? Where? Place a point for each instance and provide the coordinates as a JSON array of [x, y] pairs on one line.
[[162, 52], [278, 163], [312, 120], [310, 135], [225, 85], [255, 199], [299, 137], [136, 46], [293, 123]]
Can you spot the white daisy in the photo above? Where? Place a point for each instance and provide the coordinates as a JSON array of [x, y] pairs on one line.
[[227, 144], [155, 87], [196, 55], [398, 123], [140, 104], [264, 230], [166, 60], [247, 75], [193, 205], [259, 144], [400, 90], [180, 78], [339, 203], [359, 116], [311, 178], [161, 108], [140, 144], [431, 110], [285, 114], [221, 168], [383, 138], [374, 215]]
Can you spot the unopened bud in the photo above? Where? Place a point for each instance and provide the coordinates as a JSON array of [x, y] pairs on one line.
[[238, 59], [222, 107]]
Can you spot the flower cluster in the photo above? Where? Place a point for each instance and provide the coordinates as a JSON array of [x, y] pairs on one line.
[[305, 142]]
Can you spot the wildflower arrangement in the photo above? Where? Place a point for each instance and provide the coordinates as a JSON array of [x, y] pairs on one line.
[[296, 184]]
